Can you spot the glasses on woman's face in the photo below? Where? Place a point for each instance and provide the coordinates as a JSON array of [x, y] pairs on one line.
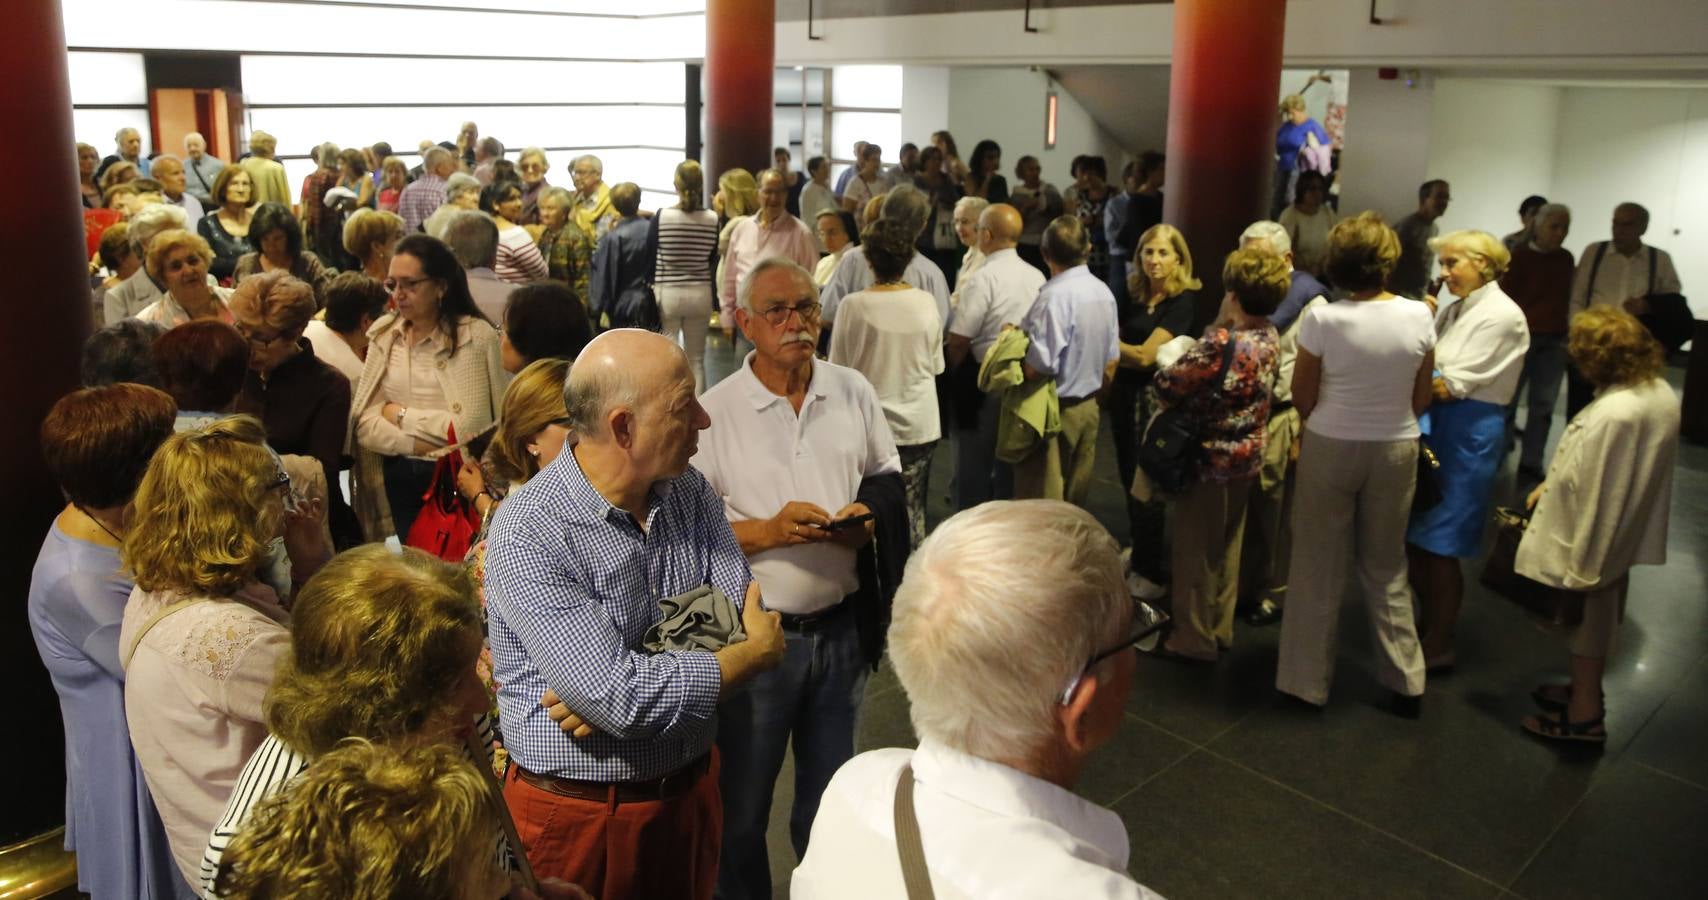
[[778, 315], [394, 285]]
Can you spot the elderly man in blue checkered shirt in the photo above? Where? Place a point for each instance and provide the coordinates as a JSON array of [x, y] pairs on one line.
[[623, 797]]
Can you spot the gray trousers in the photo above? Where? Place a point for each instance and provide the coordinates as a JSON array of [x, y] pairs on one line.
[[1354, 499]]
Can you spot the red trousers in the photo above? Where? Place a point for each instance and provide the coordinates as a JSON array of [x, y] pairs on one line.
[[662, 849]]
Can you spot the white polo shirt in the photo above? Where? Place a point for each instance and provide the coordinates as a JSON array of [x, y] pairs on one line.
[[989, 831], [759, 456]]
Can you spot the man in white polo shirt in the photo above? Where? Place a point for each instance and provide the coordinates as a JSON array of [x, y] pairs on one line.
[[794, 445], [1000, 292]]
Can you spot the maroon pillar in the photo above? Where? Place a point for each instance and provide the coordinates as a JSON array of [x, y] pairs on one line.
[[1222, 95], [48, 291], [741, 53]]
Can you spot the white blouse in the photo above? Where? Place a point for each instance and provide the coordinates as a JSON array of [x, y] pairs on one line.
[[1481, 344], [895, 339]]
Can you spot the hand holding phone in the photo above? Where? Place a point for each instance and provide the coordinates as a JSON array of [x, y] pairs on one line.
[[848, 522]]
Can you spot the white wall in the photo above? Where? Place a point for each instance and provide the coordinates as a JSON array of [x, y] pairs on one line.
[[1387, 145], [924, 102], [1007, 106], [1647, 145], [1495, 144]]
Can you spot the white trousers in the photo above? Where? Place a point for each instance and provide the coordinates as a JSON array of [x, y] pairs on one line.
[[685, 312]]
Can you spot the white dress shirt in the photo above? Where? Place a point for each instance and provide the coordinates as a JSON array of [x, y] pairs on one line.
[[1000, 292], [990, 832], [1481, 346], [1621, 277], [760, 455], [895, 339]]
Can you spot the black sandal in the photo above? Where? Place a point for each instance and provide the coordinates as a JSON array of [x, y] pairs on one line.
[[1554, 697], [1592, 731]]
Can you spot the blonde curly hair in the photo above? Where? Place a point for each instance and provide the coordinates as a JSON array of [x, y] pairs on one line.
[[207, 510], [368, 822], [332, 686], [1611, 347]]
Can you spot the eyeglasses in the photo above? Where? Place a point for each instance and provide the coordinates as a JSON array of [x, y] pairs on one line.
[[778, 315], [532, 167], [1147, 621], [261, 343], [391, 285]]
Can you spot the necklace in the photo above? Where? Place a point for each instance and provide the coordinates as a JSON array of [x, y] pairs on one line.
[[98, 523]]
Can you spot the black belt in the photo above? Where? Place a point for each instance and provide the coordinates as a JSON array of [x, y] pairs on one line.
[[669, 787], [1279, 406], [1066, 402], [814, 621]]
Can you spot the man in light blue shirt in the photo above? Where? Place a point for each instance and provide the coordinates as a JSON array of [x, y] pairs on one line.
[[1073, 339]]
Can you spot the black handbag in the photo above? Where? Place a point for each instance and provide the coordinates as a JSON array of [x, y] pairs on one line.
[[1668, 318], [1551, 604], [1428, 491], [1170, 449]]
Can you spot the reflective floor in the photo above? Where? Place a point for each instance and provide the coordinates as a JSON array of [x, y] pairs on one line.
[[1227, 792]]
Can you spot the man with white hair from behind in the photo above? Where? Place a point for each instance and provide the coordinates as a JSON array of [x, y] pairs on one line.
[[1004, 735]]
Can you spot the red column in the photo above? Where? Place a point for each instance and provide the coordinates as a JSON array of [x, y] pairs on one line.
[[1221, 127], [48, 290], [741, 53]]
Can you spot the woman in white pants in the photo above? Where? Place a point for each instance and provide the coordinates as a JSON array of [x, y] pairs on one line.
[[1361, 377], [685, 238]]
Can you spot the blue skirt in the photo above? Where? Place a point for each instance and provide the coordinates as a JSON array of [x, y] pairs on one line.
[[1469, 438]]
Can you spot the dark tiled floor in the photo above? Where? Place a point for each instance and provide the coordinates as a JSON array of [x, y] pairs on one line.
[[1228, 793]]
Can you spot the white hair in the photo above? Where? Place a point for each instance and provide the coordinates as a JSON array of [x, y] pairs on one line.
[[1549, 210], [1271, 233], [589, 159], [744, 289], [151, 220], [998, 612], [976, 205], [434, 157]]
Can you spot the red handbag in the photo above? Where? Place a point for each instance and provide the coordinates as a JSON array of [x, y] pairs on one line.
[[447, 524]]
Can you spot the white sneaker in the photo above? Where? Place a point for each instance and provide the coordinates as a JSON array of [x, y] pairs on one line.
[[1143, 588]]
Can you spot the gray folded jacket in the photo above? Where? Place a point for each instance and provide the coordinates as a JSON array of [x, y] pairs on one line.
[[701, 619]]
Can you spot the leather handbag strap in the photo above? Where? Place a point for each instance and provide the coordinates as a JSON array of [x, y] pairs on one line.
[[914, 874], [148, 625]]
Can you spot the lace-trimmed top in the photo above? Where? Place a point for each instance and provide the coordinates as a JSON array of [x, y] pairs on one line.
[[193, 699]]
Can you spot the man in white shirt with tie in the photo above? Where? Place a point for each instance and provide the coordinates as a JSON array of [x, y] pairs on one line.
[[1000, 293], [1003, 734]]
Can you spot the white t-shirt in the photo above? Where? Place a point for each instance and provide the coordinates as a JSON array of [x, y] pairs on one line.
[[895, 339], [329, 348], [1370, 351]]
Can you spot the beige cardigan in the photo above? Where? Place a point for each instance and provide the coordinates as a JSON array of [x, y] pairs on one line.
[[1605, 504], [473, 380]]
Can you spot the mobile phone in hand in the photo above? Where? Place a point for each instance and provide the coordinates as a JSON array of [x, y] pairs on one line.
[[849, 522]]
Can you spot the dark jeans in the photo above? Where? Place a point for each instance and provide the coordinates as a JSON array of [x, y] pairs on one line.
[[1128, 416], [979, 476], [1544, 367], [949, 260], [815, 696], [406, 479]]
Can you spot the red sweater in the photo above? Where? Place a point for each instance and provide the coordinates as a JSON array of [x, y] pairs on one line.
[[1541, 284]]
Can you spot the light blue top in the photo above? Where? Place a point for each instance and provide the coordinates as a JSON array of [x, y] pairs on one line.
[[1073, 332], [77, 601]]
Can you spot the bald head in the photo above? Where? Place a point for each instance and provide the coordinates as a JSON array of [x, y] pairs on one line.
[[619, 369], [999, 228]]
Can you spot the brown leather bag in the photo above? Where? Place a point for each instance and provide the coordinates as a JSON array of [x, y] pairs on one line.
[[1557, 606]]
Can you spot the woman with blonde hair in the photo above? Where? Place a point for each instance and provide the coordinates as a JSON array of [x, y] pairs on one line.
[[369, 821], [1360, 379], [369, 235], [202, 634], [736, 199], [179, 260], [1165, 299], [1603, 508], [684, 240], [530, 435], [1481, 339], [394, 177], [382, 648]]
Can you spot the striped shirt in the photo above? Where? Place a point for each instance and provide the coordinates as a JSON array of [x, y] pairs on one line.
[[519, 259], [271, 767], [687, 242], [572, 585]]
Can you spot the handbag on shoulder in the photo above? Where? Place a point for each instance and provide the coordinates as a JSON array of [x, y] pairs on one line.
[[1170, 448], [447, 524], [1551, 604]]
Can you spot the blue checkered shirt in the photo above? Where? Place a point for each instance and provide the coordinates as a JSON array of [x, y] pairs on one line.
[[572, 585]]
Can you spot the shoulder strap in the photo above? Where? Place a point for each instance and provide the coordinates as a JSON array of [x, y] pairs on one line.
[[148, 625], [1227, 361], [1652, 260], [1594, 269], [913, 871]]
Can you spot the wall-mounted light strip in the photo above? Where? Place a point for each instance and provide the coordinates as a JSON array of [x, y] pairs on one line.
[[1050, 107]]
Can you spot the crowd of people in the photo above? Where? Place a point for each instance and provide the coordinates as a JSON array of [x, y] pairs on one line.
[[626, 590]]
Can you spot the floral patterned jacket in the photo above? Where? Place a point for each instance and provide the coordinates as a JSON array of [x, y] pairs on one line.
[[1232, 423]]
